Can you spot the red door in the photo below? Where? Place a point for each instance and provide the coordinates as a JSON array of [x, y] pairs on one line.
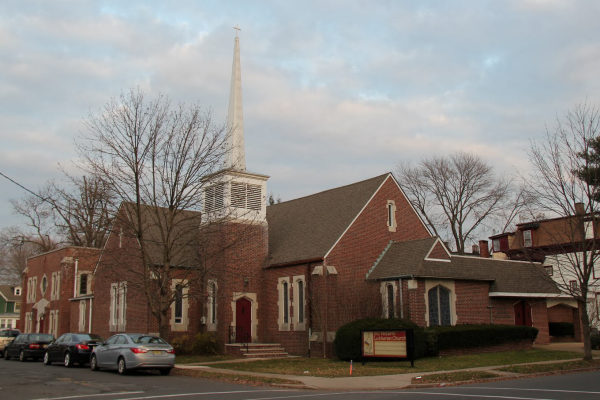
[[243, 321], [523, 313]]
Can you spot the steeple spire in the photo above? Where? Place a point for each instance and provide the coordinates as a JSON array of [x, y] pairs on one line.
[[236, 157]]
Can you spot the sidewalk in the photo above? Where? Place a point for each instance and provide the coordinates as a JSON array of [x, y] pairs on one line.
[[382, 382]]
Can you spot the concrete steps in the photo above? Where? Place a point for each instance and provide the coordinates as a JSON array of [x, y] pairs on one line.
[[256, 350]]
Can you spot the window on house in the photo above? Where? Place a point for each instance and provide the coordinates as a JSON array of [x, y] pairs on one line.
[[496, 245], [549, 270], [574, 286], [83, 284], [17, 291], [391, 215], [390, 301], [118, 306], [17, 306], [44, 285], [439, 306], [527, 242], [178, 304], [301, 302], [284, 303], [82, 316], [286, 306]]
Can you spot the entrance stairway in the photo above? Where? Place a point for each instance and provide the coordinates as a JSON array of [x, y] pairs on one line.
[[255, 350]]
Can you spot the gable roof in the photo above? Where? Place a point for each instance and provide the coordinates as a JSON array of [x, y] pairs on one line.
[[183, 241], [307, 228], [8, 292], [407, 259]]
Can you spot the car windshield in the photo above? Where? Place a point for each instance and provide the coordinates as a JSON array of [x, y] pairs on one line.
[[40, 337], [142, 339], [84, 337]]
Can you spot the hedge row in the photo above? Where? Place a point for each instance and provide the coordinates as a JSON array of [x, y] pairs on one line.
[[463, 336], [595, 342], [431, 340]]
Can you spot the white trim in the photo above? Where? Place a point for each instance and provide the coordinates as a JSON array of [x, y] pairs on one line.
[[283, 326], [445, 249], [212, 297], [254, 315], [299, 326], [512, 294], [384, 298], [448, 285], [184, 323]]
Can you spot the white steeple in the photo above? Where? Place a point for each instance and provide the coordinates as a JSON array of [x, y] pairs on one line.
[[236, 157]]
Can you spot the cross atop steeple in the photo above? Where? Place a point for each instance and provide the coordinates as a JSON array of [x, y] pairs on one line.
[[237, 29]]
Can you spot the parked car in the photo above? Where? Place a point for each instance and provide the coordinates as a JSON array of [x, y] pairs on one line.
[[28, 345], [131, 351], [7, 336], [72, 348]]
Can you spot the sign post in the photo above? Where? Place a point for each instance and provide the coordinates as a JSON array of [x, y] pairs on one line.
[[388, 343]]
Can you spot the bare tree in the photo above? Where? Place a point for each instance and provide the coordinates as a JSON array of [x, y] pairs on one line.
[[456, 194], [155, 158], [15, 248], [563, 183], [83, 210], [37, 213]]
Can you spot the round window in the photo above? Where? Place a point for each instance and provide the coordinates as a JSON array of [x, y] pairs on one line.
[[44, 284]]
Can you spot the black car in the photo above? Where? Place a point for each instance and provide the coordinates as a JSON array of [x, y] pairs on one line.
[[28, 345], [72, 348]]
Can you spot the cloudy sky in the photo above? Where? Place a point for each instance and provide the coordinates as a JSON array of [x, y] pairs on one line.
[[335, 91]]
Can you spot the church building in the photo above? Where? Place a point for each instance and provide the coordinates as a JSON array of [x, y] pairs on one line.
[[292, 273]]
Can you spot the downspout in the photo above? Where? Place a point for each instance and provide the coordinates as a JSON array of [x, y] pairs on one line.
[[90, 324], [75, 278]]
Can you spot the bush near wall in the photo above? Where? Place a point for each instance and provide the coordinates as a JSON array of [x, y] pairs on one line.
[[595, 342], [560, 329], [348, 341], [464, 336], [201, 344]]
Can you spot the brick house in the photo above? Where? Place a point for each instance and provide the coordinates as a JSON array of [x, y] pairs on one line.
[[58, 291], [557, 243]]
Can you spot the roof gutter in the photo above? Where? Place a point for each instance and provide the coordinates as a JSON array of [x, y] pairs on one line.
[[299, 262]]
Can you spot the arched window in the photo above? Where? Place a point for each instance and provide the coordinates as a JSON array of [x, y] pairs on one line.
[[439, 306], [213, 303], [301, 302], [286, 314]]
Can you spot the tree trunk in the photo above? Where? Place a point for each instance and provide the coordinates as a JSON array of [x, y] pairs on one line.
[[585, 326]]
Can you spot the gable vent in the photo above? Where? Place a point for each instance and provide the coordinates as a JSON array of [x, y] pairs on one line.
[[246, 196], [213, 197]]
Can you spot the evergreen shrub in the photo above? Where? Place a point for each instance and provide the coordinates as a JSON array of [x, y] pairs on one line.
[[463, 336]]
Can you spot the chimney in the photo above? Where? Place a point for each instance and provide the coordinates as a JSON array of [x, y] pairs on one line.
[[579, 209], [475, 249], [484, 251]]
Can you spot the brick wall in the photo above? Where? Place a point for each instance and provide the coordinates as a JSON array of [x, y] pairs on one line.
[[560, 313], [472, 302]]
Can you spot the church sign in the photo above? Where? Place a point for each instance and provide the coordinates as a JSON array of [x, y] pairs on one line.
[[388, 344]]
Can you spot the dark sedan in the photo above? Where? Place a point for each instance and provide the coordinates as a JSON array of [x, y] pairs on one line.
[[72, 348], [28, 345]]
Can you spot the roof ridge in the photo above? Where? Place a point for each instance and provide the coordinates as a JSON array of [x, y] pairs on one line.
[[333, 189], [380, 257]]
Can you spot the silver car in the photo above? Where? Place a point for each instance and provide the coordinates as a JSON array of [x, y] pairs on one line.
[[131, 351]]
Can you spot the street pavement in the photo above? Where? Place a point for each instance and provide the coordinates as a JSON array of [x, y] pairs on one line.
[[383, 382]]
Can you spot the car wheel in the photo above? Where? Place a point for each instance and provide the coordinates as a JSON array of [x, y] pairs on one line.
[[22, 357], [121, 367], [165, 371], [47, 359], [68, 360], [94, 364]]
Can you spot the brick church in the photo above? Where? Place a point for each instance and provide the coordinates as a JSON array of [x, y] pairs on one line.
[[302, 269]]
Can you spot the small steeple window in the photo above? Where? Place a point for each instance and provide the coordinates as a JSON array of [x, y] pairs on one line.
[[246, 196], [213, 197]]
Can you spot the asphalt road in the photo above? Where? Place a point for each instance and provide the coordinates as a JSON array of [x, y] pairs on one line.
[[35, 381]]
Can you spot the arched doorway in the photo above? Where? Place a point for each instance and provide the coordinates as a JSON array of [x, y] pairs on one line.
[[243, 320]]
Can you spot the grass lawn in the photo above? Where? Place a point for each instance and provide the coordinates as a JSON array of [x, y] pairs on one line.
[[334, 368], [202, 359], [459, 376], [540, 368]]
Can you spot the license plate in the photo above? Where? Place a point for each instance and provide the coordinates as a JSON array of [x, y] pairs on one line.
[[156, 352]]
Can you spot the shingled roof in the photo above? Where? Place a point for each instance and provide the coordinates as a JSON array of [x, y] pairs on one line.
[[183, 242], [307, 228], [8, 292], [408, 259]]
